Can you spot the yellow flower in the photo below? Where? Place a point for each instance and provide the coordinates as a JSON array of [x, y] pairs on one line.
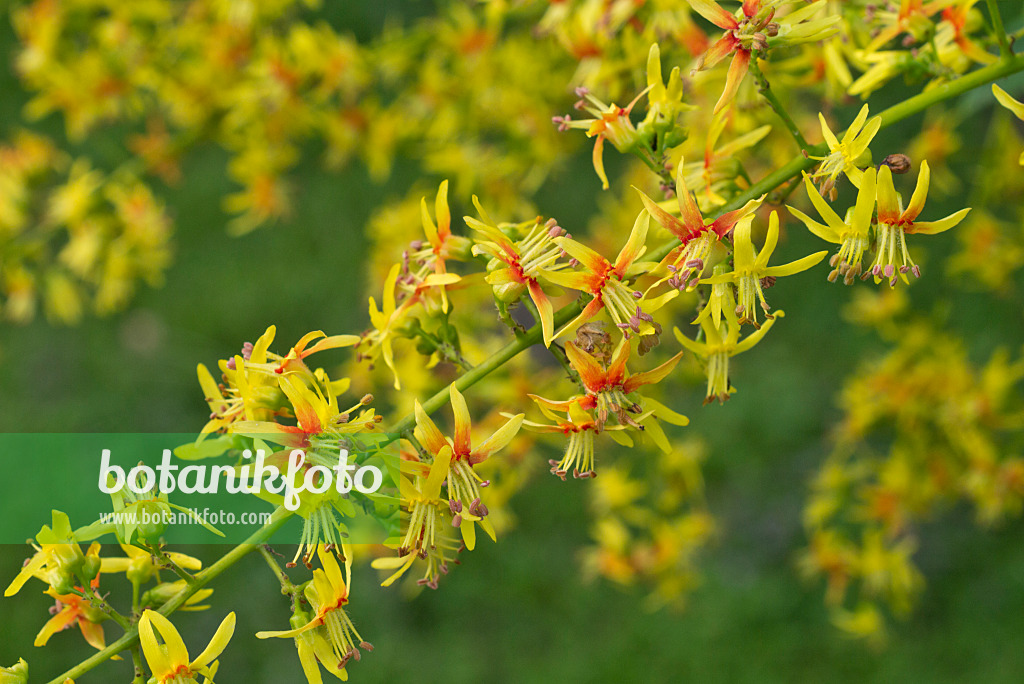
[[750, 267], [697, 234], [169, 661], [610, 122], [664, 101], [895, 223], [864, 622], [74, 609], [58, 560], [607, 283], [329, 636], [1015, 106], [463, 482], [516, 266], [716, 348], [748, 31], [852, 235], [844, 155], [428, 532]]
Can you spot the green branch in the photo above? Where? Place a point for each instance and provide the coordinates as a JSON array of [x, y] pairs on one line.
[[915, 105], [131, 637], [766, 91]]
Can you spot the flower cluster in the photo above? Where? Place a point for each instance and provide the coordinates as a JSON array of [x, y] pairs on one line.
[[952, 433], [694, 247]]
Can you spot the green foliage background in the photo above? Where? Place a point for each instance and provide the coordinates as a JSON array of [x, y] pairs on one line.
[[517, 611]]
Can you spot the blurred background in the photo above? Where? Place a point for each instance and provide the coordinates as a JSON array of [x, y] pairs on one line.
[[519, 611]]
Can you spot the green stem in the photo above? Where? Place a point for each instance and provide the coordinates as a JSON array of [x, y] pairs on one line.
[[999, 29], [766, 91], [168, 563], [139, 672], [98, 602], [288, 588], [131, 637], [915, 105]]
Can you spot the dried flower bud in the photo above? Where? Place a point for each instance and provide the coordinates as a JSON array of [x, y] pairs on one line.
[[897, 163]]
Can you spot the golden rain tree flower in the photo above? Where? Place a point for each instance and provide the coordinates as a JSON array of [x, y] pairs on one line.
[[852, 235], [427, 535], [463, 483], [913, 17], [664, 100], [321, 427], [401, 295], [58, 560], [72, 609], [845, 156], [755, 28], [169, 661], [610, 122], [441, 245], [516, 266], [332, 638], [895, 223], [751, 267], [580, 427], [717, 349], [697, 234], [607, 282], [608, 388], [1015, 106]]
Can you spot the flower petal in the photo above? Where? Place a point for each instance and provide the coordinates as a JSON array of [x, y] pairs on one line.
[[544, 308], [217, 644], [653, 376], [737, 70], [713, 12], [461, 440], [591, 372], [933, 227], [428, 434], [1004, 99], [635, 245], [888, 202], [497, 441], [795, 266], [586, 256], [159, 664], [917, 200]]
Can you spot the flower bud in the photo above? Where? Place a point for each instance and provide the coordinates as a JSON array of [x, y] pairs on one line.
[[151, 526], [15, 674], [61, 582], [508, 292], [897, 163], [460, 248], [90, 567]]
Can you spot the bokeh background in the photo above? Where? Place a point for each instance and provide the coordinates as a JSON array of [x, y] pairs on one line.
[[518, 611]]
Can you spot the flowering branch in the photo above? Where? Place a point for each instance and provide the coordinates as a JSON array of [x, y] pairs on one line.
[[131, 636]]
